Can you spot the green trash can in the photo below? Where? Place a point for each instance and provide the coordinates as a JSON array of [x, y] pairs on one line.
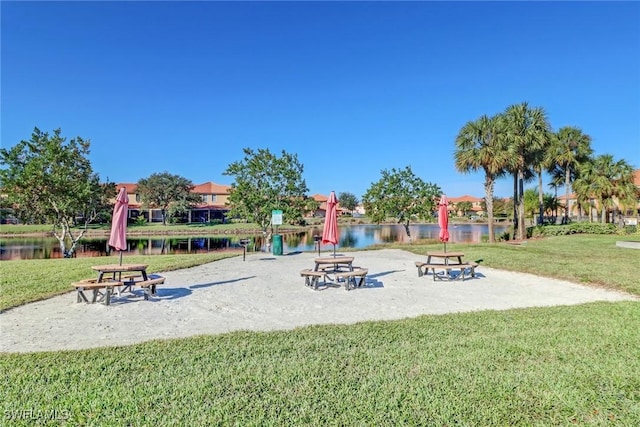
[[277, 244]]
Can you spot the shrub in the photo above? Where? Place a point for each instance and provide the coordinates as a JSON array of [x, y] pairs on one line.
[[576, 228]]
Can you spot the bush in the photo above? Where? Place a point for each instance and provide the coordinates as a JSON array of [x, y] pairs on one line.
[[576, 228], [141, 220]]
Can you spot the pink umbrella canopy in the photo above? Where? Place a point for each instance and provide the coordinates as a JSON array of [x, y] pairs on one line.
[[443, 220], [330, 230], [118, 235]]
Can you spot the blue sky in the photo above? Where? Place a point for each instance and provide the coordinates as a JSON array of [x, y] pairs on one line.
[[352, 88]]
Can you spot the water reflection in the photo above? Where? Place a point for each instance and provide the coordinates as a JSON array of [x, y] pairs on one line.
[[356, 236]]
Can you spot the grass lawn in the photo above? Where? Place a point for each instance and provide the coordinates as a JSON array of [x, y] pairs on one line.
[[570, 365]]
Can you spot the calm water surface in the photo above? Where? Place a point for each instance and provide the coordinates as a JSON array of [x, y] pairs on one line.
[[354, 236]]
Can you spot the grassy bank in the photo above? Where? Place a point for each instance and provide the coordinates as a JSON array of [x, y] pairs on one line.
[[574, 365], [549, 366]]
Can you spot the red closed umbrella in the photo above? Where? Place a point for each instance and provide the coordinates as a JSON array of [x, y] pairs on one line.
[[443, 220], [118, 235], [330, 230]]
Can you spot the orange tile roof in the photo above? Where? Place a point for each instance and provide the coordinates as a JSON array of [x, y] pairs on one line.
[[205, 188], [211, 188], [465, 198], [131, 188]]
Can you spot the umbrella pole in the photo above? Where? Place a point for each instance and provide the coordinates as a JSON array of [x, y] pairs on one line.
[[120, 257]]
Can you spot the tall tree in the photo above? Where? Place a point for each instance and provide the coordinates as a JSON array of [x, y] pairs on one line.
[[348, 201], [464, 207], [542, 161], [606, 180], [479, 145], [265, 182], [167, 192], [570, 148], [52, 181], [402, 195], [530, 198], [527, 134]]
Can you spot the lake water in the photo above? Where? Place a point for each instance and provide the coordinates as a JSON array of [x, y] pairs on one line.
[[354, 236]]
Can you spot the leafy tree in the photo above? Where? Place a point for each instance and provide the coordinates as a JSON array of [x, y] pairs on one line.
[[402, 195], [501, 207], [167, 192], [348, 201], [530, 198], [464, 207], [49, 180], [479, 145], [264, 182]]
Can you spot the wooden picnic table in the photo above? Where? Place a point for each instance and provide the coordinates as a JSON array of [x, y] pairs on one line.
[[111, 277], [445, 256], [337, 262], [118, 269]]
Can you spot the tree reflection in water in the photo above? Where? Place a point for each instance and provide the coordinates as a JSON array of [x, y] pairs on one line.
[[355, 236]]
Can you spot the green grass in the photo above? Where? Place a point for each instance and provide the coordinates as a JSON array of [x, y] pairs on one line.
[[558, 366], [582, 258], [549, 366], [24, 281]]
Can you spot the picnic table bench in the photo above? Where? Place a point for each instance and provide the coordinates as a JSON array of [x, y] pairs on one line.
[[356, 277], [148, 285], [101, 291], [465, 268], [311, 277]]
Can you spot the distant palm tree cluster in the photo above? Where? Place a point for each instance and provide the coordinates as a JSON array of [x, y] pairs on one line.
[[519, 142]]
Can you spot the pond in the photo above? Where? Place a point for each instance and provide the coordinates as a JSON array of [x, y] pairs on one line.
[[354, 236]]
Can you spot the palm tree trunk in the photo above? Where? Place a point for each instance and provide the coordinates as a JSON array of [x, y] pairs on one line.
[[515, 206], [567, 183], [488, 193], [540, 199], [521, 212]]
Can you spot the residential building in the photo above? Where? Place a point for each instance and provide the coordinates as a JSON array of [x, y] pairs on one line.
[[212, 208], [629, 216], [476, 205]]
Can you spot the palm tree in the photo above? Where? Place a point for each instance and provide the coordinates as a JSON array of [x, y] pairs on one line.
[[605, 180], [527, 134], [569, 150], [542, 161], [478, 146]]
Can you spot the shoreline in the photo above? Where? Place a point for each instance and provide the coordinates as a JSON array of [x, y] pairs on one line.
[[267, 293]]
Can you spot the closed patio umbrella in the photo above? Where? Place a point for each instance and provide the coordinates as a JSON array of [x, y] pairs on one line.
[[443, 220], [118, 235], [330, 229]]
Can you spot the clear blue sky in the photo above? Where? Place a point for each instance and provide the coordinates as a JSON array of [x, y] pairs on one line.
[[350, 87]]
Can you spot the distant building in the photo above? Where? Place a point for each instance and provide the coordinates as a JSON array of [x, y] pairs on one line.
[[476, 205], [213, 206], [630, 216]]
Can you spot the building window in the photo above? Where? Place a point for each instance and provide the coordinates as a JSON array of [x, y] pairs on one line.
[[204, 197], [213, 198]]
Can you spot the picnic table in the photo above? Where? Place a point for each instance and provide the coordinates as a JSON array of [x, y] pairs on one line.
[[444, 264], [111, 278], [342, 269], [338, 263]]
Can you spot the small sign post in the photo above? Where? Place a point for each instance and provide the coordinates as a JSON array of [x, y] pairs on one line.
[[276, 219]]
